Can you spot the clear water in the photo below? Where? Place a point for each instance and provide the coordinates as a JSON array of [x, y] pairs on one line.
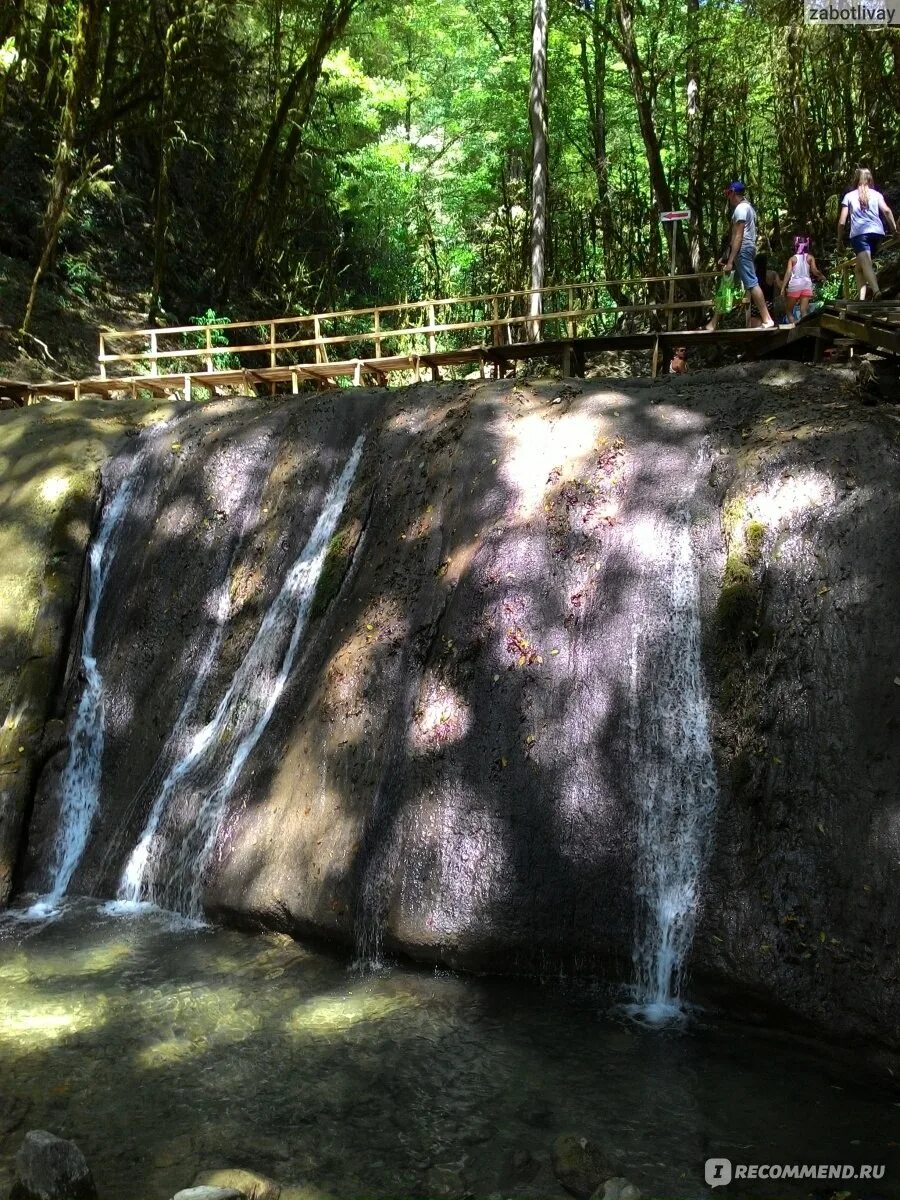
[[675, 780], [164, 1051]]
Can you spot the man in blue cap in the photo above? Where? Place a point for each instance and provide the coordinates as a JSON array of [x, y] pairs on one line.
[[742, 251]]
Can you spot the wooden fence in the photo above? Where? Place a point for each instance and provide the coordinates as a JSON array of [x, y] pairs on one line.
[[421, 327]]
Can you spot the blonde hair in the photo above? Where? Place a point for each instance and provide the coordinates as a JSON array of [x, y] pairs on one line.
[[863, 181]]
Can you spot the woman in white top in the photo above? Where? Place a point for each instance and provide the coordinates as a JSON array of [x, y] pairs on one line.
[[798, 278], [865, 208]]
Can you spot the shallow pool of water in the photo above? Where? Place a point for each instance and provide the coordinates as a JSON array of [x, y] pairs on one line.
[[165, 1051]]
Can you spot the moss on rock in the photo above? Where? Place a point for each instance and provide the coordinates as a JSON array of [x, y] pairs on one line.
[[338, 557]]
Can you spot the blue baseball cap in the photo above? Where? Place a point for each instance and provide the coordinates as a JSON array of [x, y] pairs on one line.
[[735, 186]]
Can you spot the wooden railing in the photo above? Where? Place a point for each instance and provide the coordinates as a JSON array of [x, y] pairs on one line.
[[422, 327]]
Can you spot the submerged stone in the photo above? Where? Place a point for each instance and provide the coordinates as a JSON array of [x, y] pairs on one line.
[[617, 1188], [210, 1193], [50, 1168], [579, 1165], [248, 1183]]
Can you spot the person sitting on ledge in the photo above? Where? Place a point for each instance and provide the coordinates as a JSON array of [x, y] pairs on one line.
[[742, 251]]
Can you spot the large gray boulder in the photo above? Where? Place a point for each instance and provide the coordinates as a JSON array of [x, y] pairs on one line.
[[50, 1168]]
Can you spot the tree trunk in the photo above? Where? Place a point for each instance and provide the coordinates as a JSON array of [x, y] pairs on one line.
[[296, 103], [537, 115], [594, 80], [694, 132], [174, 39], [628, 46], [82, 67]]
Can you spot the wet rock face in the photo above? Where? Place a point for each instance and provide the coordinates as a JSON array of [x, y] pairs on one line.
[[803, 888], [50, 1168], [449, 771], [50, 459]]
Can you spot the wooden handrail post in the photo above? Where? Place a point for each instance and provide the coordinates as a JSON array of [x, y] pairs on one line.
[[432, 321], [272, 353], [376, 329], [671, 316], [209, 361], [317, 334], [571, 322], [495, 324], [102, 358], [154, 363]]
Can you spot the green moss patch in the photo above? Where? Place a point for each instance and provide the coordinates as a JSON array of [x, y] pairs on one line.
[[338, 557]]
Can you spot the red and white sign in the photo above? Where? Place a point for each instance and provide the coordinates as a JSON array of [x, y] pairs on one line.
[[681, 214]]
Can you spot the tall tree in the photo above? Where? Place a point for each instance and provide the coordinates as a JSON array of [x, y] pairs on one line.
[[537, 117], [79, 77], [296, 105]]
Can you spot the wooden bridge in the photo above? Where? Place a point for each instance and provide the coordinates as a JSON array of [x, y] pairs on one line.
[[369, 345]]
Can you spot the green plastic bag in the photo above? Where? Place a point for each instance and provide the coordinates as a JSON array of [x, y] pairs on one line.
[[725, 294]]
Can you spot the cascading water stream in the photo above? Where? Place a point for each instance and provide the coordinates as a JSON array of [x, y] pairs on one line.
[[675, 782], [80, 782], [203, 779], [131, 884]]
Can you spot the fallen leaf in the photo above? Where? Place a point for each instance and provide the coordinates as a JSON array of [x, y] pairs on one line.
[[554, 652]]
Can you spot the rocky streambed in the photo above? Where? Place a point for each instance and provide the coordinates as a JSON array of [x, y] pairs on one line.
[[172, 1056]]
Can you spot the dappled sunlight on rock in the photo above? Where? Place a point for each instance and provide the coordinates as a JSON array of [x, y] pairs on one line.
[[535, 447], [54, 488], [441, 716]]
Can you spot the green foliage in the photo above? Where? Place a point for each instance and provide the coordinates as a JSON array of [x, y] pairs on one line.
[[81, 278], [402, 171], [198, 341]]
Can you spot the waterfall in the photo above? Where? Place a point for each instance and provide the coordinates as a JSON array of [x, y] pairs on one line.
[[80, 782], [132, 882], [203, 779], [675, 782]]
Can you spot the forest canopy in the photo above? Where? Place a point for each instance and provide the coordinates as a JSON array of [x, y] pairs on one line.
[[292, 155]]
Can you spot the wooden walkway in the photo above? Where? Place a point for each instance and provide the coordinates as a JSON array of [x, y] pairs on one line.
[[489, 332]]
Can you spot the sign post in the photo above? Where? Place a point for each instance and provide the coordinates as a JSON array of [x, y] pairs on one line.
[[681, 214]]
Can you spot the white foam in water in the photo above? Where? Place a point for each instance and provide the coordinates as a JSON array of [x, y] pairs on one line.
[[80, 782], [674, 775], [204, 778]]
